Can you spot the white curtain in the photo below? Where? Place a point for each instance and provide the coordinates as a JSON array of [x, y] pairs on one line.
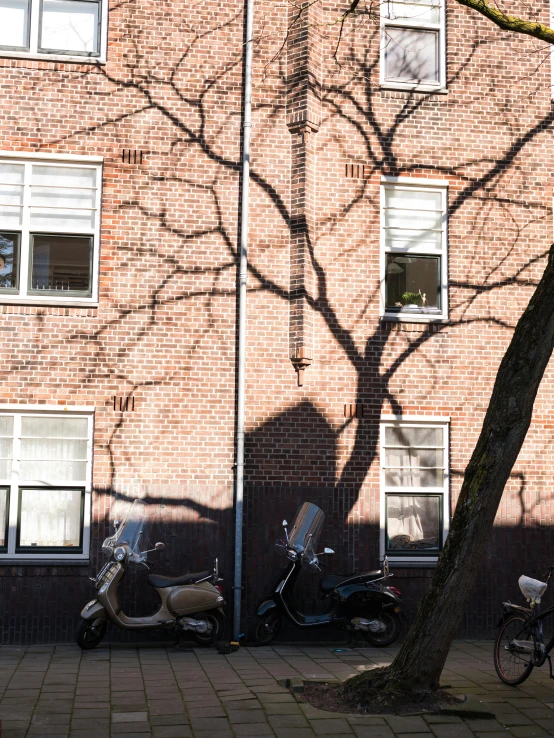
[[50, 517]]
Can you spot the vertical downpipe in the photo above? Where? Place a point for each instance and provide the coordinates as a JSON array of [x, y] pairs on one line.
[[243, 273]]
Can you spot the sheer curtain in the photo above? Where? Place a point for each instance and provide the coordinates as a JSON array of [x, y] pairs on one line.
[[414, 459], [53, 451]]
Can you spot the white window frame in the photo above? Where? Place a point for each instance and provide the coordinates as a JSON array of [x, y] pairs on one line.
[[33, 51], [418, 422], [421, 184], [410, 23], [65, 160], [14, 484]]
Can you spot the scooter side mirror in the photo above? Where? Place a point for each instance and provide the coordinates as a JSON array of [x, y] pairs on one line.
[[284, 523], [328, 551], [159, 546]]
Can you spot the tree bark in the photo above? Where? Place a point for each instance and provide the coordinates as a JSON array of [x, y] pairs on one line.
[[420, 661]]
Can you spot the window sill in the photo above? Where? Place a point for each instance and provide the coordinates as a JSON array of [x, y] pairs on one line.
[[48, 302], [414, 318], [413, 563], [426, 89], [88, 60], [41, 561]]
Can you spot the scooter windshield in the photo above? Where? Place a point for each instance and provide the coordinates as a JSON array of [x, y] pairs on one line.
[[132, 532], [304, 535]]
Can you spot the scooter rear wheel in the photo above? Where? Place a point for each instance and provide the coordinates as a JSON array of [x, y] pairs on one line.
[[388, 636], [264, 628], [219, 628], [89, 634]]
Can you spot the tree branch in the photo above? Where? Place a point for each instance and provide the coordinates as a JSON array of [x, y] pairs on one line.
[[510, 22]]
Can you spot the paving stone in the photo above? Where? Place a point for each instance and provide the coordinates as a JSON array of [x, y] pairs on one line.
[[171, 731], [372, 731], [283, 708], [255, 730], [169, 719], [442, 719], [407, 724], [513, 718], [298, 733], [451, 730], [129, 717], [483, 726], [214, 724], [526, 731], [330, 726], [246, 716]]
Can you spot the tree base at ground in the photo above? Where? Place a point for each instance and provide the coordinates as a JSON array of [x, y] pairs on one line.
[[377, 692]]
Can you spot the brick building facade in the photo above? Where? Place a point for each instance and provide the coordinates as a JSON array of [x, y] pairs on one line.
[[401, 208]]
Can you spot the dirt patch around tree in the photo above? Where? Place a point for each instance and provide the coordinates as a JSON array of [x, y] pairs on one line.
[[329, 697]]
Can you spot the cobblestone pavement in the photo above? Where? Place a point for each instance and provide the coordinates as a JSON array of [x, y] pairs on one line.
[[57, 691]]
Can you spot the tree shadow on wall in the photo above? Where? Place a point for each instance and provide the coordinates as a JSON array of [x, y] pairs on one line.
[[293, 459]]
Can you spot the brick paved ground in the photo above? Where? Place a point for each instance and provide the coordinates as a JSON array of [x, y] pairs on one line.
[[57, 691]]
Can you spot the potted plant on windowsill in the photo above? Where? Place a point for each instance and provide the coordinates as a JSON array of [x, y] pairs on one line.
[[411, 300]]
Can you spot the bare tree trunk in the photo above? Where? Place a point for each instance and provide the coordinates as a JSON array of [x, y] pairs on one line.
[[420, 661]]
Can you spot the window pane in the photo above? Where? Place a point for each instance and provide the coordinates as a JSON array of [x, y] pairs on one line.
[[61, 263], [50, 518], [413, 457], [412, 283], [63, 197], [405, 435], [3, 514], [6, 446], [9, 261], [53, 449], [418, 12], [411, 56], [11, 194], [414, 477], [413, 218], [54, 427], [14, 23], [53, 471], [413, 523], [56, 449], [70, 25], [56, 176]]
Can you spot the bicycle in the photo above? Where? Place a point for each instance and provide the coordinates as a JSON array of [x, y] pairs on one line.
[[519, 646]]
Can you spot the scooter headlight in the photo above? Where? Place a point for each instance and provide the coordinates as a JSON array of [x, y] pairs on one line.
[[292, 555], [119, 553]]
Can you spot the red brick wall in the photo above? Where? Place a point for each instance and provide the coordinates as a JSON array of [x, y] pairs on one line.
[[165, 327]]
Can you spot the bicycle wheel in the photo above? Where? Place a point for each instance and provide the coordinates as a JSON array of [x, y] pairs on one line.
[[513, 665]]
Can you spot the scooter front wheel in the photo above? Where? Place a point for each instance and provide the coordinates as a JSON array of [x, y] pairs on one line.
[[264, 628], [90, 633], [389, 635]]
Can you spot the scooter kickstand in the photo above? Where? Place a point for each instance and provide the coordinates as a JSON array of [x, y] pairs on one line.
[[550, 665]]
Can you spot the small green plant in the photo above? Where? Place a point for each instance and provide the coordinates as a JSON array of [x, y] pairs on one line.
[[411, 298]]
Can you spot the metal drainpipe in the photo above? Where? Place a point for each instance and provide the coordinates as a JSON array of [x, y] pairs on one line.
[[243, 273]]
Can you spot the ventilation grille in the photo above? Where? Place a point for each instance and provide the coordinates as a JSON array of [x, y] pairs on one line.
[[354, 410], [356, 171], [123, 404], [131, 156]]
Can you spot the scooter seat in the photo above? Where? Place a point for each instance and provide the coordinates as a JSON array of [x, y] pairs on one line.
[[331, 581], [155, 580]]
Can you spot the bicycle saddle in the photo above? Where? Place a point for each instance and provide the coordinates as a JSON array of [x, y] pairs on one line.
[[331, 581], [156, 580]]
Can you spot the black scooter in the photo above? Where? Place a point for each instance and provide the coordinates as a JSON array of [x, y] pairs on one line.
[[358, 602]]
